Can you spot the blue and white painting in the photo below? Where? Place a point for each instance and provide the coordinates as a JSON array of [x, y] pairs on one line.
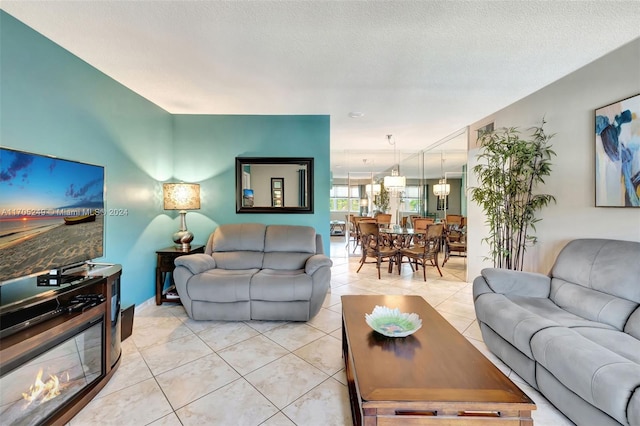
[[618, 154]]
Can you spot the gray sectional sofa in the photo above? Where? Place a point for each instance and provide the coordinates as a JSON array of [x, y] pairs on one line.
[[573, 335], [255, 271]]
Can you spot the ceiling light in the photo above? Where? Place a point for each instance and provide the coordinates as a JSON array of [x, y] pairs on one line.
[[395, 181], [442, 188], [356, 114]]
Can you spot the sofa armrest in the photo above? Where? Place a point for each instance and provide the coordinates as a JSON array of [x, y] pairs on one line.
[[196, 263], [316, 262], [505, 281]]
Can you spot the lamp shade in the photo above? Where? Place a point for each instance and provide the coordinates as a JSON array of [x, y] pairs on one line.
[[441, 189], [394, 182], [181, 196]]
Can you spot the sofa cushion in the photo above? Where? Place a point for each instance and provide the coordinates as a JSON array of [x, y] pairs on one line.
[[221, 285], [291, 261], [513, 323], [288, 247], [238, 260], [239, 237], [614, 340], [608, 266], [549, 310], [288, 238], [278, 285], [591, 304], [596, 374]]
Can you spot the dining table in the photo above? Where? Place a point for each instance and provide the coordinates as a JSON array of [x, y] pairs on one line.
[[397, 236]]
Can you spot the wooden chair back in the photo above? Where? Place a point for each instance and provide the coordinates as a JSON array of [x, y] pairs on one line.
[[434, 231], [361, 220], [369, 228], [455, 220], [432, 239], [366, 219], [351, 225], [420, 224], [383, 218], [371, 240], [403, 221]]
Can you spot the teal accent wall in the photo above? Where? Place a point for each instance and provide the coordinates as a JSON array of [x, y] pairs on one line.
[[53, 103], [205, 150]]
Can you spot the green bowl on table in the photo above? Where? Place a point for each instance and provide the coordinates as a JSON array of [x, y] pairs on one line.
[[393, 323]]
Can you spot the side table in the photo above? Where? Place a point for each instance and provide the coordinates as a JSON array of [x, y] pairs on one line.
[[165, 267]]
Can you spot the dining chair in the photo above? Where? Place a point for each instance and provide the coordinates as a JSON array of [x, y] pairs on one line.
[[373, 246], [383, 218], [428, 251], [403, 221], [455, 220], [420, 225], [452, 233], [352, 231], [455, 241], [412, 219], [358, 220]]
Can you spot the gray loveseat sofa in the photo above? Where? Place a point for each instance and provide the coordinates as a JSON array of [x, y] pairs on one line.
[[255, 271], [573, 335]]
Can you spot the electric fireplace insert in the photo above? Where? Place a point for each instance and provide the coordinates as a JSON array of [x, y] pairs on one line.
[[59, 348], [36, 390]]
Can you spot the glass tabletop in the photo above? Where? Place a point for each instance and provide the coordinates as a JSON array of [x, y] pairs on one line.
[[398, 231]]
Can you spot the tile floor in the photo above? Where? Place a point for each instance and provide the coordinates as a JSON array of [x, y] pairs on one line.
[[176, 371]]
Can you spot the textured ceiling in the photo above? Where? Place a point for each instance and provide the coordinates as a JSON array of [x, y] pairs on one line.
[[419, 70]]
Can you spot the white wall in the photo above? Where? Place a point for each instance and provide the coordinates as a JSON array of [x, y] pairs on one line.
[[568, 106]]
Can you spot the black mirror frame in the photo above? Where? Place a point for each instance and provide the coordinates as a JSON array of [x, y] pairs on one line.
[[303, 161]]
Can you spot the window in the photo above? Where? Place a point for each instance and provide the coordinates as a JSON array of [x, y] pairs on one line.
[[344, 199], [411, 199]]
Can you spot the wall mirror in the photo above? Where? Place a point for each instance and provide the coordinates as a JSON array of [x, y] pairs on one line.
[[274, 185]]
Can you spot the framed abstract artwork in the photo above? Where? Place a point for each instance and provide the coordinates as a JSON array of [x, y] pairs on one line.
[[617, 139]]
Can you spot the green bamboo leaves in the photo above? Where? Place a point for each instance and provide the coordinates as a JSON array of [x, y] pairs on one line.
[[509, 170], [383, 205]]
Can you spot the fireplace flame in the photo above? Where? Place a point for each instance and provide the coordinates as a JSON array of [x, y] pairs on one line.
[[43, 391]]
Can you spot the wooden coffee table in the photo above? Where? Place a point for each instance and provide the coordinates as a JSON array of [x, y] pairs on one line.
[[433, 377]]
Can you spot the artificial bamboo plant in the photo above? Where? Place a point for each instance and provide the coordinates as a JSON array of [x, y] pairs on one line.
[[383, 204], [509, 170]]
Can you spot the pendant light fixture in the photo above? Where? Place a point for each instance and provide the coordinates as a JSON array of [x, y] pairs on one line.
[[442, 188], [395, 181]]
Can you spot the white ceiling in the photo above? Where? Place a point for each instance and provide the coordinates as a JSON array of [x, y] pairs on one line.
[[419, 70]]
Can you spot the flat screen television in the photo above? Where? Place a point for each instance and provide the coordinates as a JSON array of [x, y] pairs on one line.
[[51, 213]]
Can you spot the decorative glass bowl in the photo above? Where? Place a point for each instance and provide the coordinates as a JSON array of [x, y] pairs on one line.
[[393, 323]]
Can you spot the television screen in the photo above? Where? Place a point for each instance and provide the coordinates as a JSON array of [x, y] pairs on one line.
[[51, 213]]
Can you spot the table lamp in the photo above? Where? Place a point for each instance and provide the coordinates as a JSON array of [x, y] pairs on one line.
[[183, 197]]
